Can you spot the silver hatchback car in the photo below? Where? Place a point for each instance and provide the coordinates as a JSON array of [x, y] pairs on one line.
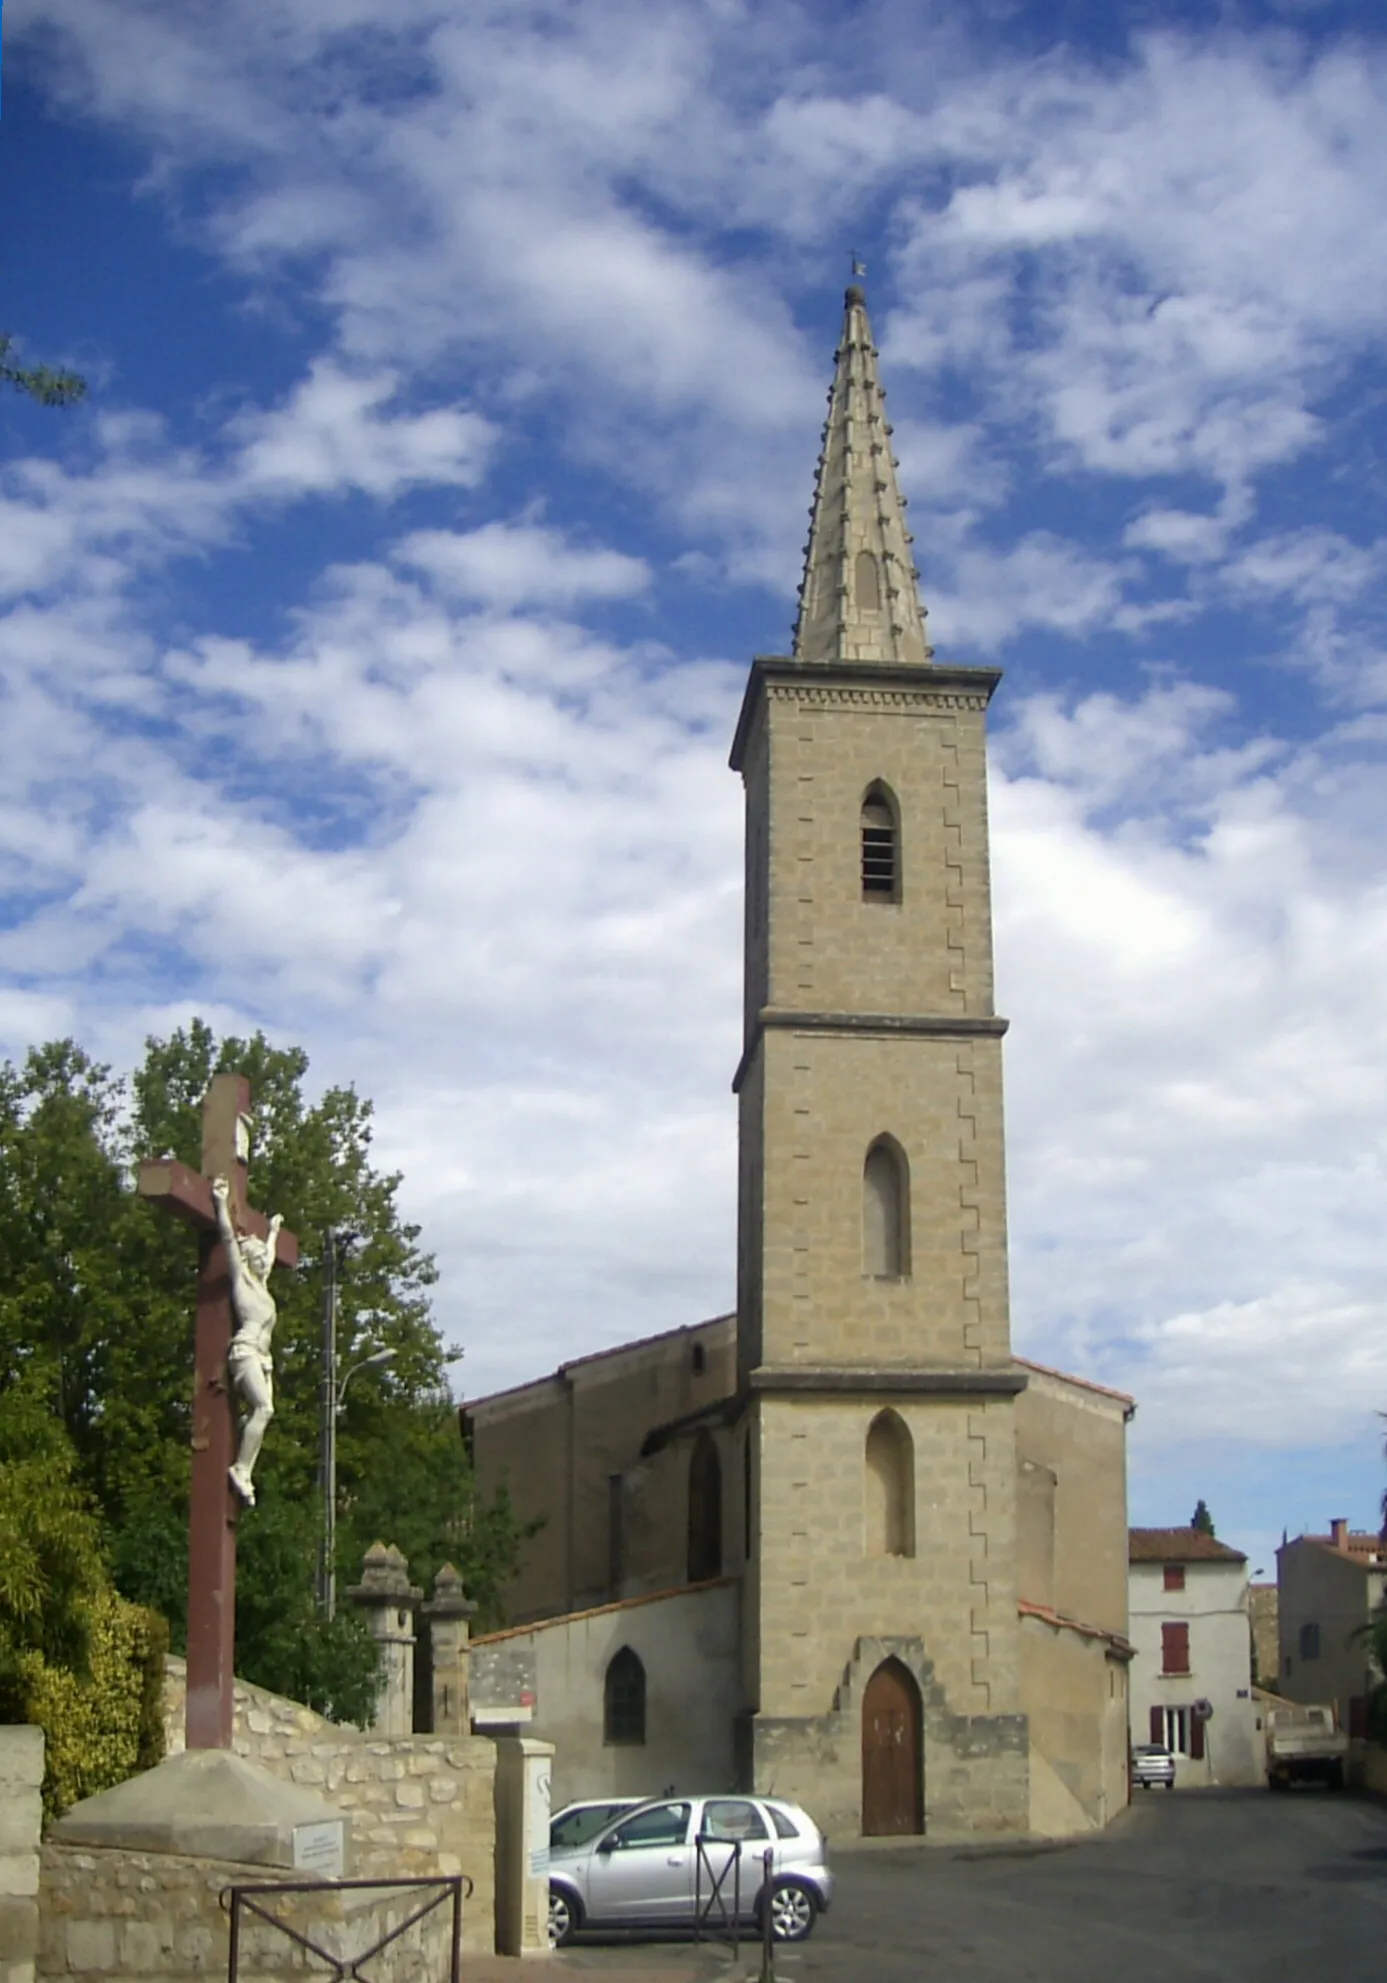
[[666, 1862]]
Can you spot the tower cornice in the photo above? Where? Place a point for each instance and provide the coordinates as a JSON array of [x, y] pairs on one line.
[[878, 685], [872, 1025]]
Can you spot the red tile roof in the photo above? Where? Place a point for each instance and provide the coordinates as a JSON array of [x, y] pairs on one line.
[[1067, 1377], [1063, 1622], [1178, 1546]]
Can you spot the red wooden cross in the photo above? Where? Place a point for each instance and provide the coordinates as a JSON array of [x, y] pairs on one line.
[[214, 1505]]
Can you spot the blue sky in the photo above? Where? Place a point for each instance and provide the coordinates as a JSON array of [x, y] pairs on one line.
[[372, 638]]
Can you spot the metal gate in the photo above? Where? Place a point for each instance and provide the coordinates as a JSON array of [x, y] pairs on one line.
[[240, 1902]]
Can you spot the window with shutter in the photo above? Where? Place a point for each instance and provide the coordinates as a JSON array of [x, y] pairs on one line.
[[1158, 1726], [1175, 1576], [881, 868], [1175, 1648]]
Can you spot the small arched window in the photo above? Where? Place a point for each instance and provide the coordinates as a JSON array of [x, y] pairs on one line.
[[881, 847], [623, 1701], [705, 1510], [886, 1211], [867, 583], [890, 1487]]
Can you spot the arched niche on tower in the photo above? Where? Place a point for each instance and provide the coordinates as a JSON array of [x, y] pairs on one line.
[[890, 1486], [866, 583], [886, 1211]]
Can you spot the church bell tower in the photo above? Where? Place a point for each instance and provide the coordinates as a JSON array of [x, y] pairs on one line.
[[880, 1623]]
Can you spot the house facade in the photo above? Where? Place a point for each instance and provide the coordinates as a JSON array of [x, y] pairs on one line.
[[1191, 1679], [1328, 1587]]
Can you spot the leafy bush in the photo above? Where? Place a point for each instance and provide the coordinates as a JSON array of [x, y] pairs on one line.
[[105, 1725], [51, 1571]]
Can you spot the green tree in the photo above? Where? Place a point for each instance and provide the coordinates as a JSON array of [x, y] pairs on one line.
[[1201, 1520], [97, 1290], [40, 382], [51, 1572]]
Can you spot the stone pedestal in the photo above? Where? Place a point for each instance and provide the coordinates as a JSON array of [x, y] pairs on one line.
[[390, 1601], [211, 1804], [449, 1613], [524, 1771]]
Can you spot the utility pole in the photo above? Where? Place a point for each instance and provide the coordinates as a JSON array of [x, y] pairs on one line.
[[333, 1389]]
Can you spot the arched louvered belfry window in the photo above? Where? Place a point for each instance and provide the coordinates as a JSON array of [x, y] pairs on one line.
[[890, 1484], [623, 1701], [881, 847], [867, 583], [705, 1509], [886, 1211]]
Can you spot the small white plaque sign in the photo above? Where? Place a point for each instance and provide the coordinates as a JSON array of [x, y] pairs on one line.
[[321, 1848]]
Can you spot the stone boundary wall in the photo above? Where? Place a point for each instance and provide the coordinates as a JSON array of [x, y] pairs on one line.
[[21, 1819], [419, 1805], [113, 1914]]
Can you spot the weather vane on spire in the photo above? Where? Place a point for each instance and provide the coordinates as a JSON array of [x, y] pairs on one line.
[[859, 267]]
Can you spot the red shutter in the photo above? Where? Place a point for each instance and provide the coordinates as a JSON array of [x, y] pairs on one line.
[[1158, 1725], [1174, 1576], [1175, 1648], [1196, 1739]]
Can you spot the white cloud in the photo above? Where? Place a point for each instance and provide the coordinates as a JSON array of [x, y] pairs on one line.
[[1293, 1367], [521, 564], [485, 860], [333, 435], [1196, 1077], [1040, 581]]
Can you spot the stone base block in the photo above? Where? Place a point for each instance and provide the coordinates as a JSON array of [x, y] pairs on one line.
[[211, 1804]]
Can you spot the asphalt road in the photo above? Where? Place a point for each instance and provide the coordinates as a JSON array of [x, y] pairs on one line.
[[1235, 1885]]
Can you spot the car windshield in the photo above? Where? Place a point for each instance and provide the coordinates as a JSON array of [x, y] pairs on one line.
[[574, 1828]]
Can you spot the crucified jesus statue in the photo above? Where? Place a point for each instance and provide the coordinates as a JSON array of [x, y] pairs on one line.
[[248, 1363]]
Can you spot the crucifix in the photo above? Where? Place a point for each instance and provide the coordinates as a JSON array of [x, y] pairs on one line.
[[237, 1249]]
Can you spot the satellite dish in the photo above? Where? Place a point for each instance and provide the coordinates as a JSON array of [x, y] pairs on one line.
[[1203, 1710]]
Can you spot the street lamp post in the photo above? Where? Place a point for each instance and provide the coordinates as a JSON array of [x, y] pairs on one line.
[[332, 1392]]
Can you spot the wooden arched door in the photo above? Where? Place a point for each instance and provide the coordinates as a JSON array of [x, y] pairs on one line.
[[892, 1754]]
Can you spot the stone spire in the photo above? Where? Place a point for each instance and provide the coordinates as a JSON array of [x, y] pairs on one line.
[[859, 600]]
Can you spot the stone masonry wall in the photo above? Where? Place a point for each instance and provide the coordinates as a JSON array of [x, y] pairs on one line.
[[418, 1803], [159, 1915], [21, 1816], [419, 1806]]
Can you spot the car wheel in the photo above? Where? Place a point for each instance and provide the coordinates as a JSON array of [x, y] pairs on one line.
[[565, 1917], [793, 1911]]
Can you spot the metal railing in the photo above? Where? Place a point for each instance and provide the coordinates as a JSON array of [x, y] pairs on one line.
[[731, 1921], [240, 1902]]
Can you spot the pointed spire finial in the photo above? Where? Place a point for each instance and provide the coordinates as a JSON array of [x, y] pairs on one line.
[[859, 599]]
